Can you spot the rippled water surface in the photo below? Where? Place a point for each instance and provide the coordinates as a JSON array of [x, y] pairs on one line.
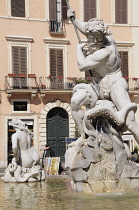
[[56, 194]]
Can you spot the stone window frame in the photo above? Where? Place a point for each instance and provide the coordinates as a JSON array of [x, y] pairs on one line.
[[19, 112], [26, 10], [47, 14], [56, 44], [18, 41], [127, 47], [129, 13], [82, 9]]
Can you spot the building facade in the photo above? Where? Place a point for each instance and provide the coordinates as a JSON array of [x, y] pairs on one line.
[[39, 69]]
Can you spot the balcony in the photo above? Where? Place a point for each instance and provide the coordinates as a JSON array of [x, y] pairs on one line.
[[56, 27], [56, 83], [30, 84], [21, 83]]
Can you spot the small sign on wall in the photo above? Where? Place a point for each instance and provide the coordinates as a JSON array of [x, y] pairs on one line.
[[20, 106]]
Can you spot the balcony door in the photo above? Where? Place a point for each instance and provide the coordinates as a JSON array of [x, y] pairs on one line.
[[57, 15], [19, 66], [57, 130], [56, 68], [57, 10]]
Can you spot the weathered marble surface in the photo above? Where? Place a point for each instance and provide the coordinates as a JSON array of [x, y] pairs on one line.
[[25, 166], [99, 161]]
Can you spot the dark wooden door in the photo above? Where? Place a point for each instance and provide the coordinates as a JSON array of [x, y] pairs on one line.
[[57, 130]]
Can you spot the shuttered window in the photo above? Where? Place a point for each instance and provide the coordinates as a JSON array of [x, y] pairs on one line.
[[64, 9], [89, 9], [19, 60], [54, 10], [124, 63], [121, 11], [56, 62], [18, 8]]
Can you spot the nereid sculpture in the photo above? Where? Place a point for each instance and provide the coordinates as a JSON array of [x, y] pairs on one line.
[[25, 166], [99, 160]]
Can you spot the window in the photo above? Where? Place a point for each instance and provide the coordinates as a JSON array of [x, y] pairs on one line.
[[19, 49], [56, 62], [57, 15], [56, 51], [121, 11], [56, 68], [124, 63], [18, 8], [19, 65], [57, 10], [19, 60], [89, 9]]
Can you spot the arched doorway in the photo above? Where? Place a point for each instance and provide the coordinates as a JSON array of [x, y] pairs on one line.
[[57, 122]]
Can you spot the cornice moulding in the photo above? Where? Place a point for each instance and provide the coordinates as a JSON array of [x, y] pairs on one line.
[[56, 41], [118, 43], [19, 38], [124, 44]]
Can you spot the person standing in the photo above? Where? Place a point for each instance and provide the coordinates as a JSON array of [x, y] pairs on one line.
[[48, 152]]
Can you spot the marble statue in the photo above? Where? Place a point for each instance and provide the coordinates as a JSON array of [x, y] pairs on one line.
[[25, 166], [99, 160]]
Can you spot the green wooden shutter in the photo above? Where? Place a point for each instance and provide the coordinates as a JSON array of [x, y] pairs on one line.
[[121, 11], [52, 9], [64, 9], [56, 62], [124, 63], [18, 8], [19, 58], [89, 9]]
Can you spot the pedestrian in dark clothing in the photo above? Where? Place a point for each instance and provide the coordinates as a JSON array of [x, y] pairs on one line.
[[48, 152]]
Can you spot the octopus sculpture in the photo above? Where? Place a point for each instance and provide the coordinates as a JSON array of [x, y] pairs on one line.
[[99, 161]]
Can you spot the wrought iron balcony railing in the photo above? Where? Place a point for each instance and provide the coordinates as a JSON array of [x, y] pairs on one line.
[[30, 81], [21, 81], [56, 83], [56, 27]]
